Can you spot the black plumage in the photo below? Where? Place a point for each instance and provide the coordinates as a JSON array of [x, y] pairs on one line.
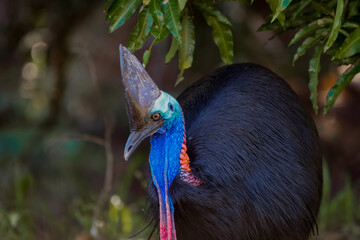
[[257, 151]]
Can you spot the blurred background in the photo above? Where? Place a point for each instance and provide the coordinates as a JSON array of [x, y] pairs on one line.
[[63, 123]]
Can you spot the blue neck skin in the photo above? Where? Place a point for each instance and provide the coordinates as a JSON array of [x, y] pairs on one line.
[[164, 156], [164, 159]]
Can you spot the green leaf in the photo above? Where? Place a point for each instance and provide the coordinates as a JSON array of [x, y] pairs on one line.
[[324, 8], [132, 38], [113, 213], [172, 51], [242, 1], [159, 33], [107, 4], [141, 31], [341, 83], [273, 4], [314, 68], [281, 6], [212, 11], [172, 17], [182, 4], [309, 28], [222, 36], [290, 23], [308, 42], [350, 46], [347, 61], [119, 11], [299, 7], [146, 2], [350, 25], [353, 8], [336, 24], [186, 50], [159, 36], [156, 12], [343, 32], [146, 56]]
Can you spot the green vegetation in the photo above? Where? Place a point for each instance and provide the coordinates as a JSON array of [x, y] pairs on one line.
[[120, 216], [56, 196], [343, 208], [330, 26]]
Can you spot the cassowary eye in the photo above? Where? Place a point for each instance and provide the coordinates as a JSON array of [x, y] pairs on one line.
[[155, 116], [171, 107]]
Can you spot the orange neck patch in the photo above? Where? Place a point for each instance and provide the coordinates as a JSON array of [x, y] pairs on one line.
[[185, 170]]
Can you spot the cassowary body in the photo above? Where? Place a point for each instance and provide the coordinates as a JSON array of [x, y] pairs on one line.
[[236, 157]]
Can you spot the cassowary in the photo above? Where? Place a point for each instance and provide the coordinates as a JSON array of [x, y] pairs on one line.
[[235, 156]]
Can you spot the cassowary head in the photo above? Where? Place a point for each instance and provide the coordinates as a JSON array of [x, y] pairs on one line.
[[154, 113], [149, 109]]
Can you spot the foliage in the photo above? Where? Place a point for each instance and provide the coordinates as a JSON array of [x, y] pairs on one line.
[[175, 18], [341, 208], [64, 185], [15, 220], [330, 26]]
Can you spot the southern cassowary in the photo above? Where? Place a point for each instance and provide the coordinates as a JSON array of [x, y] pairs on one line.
[[235, 156]]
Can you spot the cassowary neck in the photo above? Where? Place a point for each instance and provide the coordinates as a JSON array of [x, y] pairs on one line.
[[167, 159], [165, 165]]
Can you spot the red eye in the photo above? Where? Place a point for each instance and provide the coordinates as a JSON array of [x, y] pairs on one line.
[[155, 116]]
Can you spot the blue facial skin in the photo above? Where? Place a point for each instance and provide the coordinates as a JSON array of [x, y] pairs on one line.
[[166, 145]]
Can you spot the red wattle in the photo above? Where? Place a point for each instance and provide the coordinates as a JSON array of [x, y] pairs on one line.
[[167, 223]]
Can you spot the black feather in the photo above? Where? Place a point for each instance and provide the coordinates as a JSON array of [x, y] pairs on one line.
[[257, 151]]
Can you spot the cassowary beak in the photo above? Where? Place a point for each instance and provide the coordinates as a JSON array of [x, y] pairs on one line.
[[136, 137], [140, 93]]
